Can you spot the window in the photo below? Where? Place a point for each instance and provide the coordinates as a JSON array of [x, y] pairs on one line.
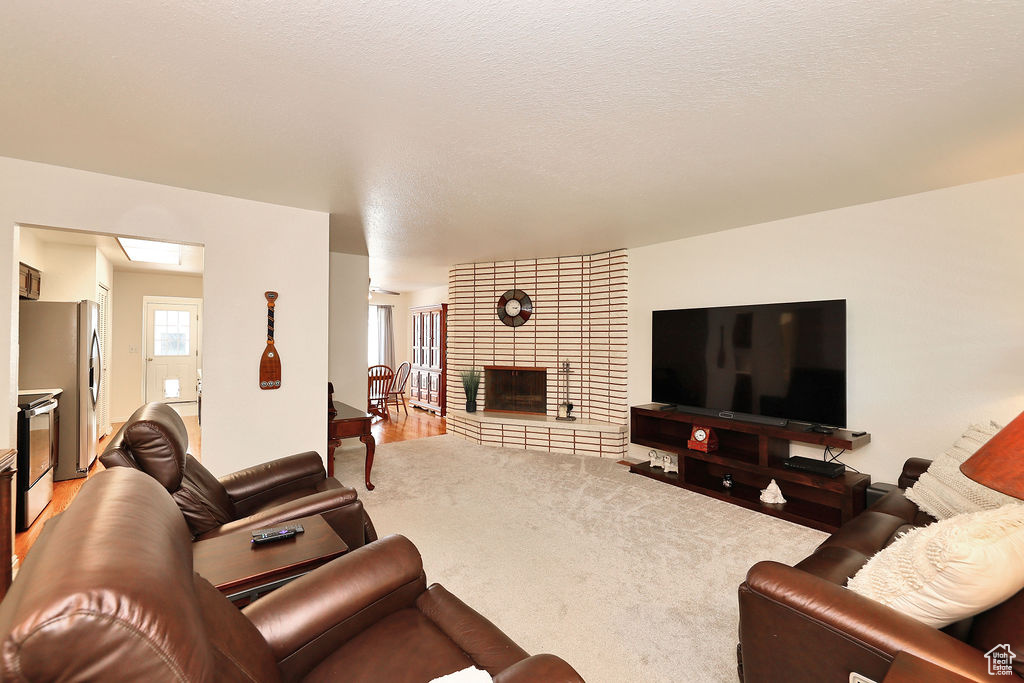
[[372, 340], [171, 333]]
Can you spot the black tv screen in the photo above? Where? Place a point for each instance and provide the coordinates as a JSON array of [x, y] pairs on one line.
[[783, 361]]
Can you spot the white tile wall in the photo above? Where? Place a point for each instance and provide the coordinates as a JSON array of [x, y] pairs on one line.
[[579, 316]]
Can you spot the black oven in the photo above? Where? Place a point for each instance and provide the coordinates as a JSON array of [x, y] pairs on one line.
[[37, 454]]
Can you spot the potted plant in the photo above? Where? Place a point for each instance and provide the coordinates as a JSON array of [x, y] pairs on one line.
[[470, 384]]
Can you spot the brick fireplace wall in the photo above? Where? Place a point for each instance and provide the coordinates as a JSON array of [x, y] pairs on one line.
[[579, 316]]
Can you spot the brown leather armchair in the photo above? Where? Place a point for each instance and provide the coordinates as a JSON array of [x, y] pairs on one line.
[[801, 624], [155, 440], [108, 593]]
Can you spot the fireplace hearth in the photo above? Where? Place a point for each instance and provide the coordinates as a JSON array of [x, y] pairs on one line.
[[513, 389]]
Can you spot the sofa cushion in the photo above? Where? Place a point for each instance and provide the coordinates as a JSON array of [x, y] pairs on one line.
[[107, 592], [202, 499], [895, 503], [949, 570], [867, 533], [158, 441], [944, 491], [426, 652]]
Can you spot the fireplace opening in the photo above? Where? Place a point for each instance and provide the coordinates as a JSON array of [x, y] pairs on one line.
[[513, 389]]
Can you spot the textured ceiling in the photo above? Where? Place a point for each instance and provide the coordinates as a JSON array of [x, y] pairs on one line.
[[448, 132]]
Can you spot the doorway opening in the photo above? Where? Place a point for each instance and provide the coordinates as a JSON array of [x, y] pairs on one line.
[[83, 288]]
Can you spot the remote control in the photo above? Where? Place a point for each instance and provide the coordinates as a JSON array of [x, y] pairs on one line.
[[297, 528], [274, 536], [857, 433]]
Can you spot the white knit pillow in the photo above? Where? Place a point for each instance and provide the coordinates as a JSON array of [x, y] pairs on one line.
[[949, 570], [943, 491]]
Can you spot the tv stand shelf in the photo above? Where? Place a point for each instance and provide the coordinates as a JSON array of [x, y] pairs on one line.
[[753, 454]]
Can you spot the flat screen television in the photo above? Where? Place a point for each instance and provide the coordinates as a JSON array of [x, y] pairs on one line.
[[766, 362]]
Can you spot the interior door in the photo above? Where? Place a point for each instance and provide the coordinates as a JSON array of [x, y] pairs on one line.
[[172, 354]]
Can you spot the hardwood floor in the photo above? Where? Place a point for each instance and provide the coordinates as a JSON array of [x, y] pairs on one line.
[[65, 491], [417, 424]]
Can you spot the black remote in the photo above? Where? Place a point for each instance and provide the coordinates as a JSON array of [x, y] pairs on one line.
[[297, 528], [857, 433], [275, 536]]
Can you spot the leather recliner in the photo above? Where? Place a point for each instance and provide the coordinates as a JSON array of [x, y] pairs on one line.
[[800, 624], [155, 440], [108, 593]]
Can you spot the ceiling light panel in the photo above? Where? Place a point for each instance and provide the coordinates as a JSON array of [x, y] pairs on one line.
[[146, 251]]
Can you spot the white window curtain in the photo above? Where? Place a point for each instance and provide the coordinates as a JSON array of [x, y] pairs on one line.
[[381, 337]]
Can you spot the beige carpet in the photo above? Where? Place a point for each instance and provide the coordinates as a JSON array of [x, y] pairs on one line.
[[626, 578]]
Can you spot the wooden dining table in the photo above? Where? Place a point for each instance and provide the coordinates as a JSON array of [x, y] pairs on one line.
[[343, 422]]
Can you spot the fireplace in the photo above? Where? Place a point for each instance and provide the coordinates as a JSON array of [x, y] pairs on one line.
[[513, 389]]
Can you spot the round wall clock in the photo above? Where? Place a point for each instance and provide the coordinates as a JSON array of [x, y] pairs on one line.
[[514, 307]]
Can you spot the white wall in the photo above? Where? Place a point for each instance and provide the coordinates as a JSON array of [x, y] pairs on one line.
[[127, 331], [935, 322], [69, 273], [251, 247], [349, 276], [32, 250], [428, 297]]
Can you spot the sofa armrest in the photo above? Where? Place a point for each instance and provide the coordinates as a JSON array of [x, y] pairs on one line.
[[307, 619], [250, 488], [545, 668], [320, 503], [913, 468], [799, 627]]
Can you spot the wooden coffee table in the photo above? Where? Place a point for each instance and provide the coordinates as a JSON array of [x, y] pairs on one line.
[[344, 422], [244, 571]]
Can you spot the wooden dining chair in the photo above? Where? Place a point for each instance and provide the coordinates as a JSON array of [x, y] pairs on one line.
[[396, 396], [379, 381]]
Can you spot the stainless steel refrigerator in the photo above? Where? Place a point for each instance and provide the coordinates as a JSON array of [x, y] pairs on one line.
[[60, 348]]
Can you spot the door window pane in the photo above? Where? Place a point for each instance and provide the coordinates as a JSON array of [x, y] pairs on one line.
[[171, 331]]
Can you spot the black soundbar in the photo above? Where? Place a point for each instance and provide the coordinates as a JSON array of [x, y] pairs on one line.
[[828, 469], [727, 415]]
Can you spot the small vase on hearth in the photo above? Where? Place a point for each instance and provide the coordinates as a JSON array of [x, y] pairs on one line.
[[470, 406]]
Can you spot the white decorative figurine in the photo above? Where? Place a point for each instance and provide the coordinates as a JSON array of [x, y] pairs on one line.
[[670, 462], [772, 494], [655, 458]]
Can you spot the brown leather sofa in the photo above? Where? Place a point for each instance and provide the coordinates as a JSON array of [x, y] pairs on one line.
[[801, 624], [155, 440], [108, 593]]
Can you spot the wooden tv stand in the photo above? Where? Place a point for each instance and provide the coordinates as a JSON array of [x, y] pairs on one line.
[[753, 454]]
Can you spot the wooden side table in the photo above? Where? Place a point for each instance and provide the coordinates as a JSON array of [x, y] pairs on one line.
[[244, 571], [345, 422]]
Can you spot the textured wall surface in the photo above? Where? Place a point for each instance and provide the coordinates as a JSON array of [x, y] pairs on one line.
[[579, 316]]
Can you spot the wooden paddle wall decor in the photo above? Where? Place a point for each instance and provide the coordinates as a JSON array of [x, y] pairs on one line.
[[270, 362]]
